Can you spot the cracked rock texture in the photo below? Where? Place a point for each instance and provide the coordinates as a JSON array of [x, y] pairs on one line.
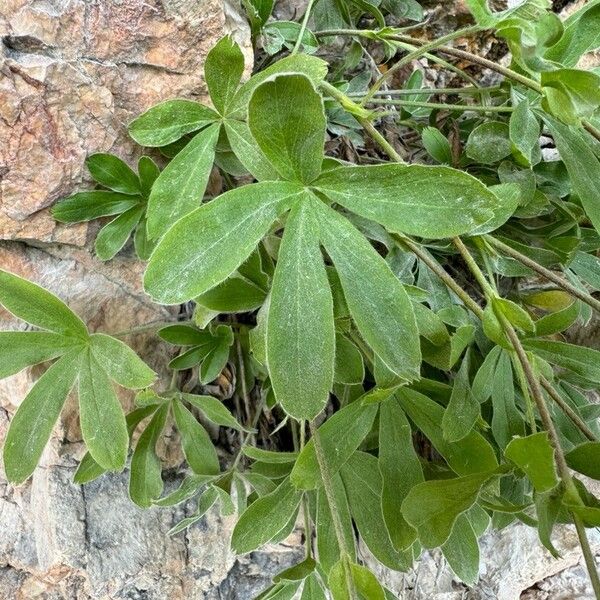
[[73, 73]]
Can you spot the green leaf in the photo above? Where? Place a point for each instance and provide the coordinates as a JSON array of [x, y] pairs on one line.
[[148, 172], [339, 437], [287, 119], [247, 151], [363, 484], [180, 186], [111, 172], [89, 469], [524, 132], [558, 321], [265, 518], [506, 419], [547, 509], [582, 165], [432, 507], [113, 236], [297, 572], [37, 306], [471, 454], [584, 362], [213, 410], [184, 335], [570, 94], [376, 299], [20, 349], [585, 459], [400, 470], [483, 383], [327, 544], [185, 264], [363, 582], [190, 486], [437, 145], [461, 550], [269, 456], [349, 366], [517, 315], [313, 68], [587, 267], [300, 328], [86, 206], [122, 364], [168, 121], [34, 420], [234, 295], [463, 409], [428, 201], [223, 71], [197, 445], [215, 361], [581, 34], [206, 502], [312, 589], [489, 142], [103, 425], [145, 482], [535, 456]]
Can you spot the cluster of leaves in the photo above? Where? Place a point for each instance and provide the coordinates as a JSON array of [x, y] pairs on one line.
[[348, 290]]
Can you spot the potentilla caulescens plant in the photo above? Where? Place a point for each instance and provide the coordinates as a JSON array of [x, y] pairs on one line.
[[415, 297]]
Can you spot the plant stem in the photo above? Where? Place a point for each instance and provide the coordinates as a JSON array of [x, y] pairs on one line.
[[588, 555], [547, 273], [431, 91], [148, 327], [361, 114], [538, 397], [575, 418], [419, 51], [473, 58], [303, 26], [442, 105], [337, 524], [441, 273], [305, 511]]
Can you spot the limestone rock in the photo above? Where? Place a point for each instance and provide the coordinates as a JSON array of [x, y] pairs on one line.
[[73, 74]]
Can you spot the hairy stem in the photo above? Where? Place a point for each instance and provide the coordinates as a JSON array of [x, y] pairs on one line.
[[337, 524], [544, 272], [540, 402], [424, 48], [303, 26], [575, 418], [442, 106]]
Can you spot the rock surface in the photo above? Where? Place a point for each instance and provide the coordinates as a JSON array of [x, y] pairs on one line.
[[72, 74]]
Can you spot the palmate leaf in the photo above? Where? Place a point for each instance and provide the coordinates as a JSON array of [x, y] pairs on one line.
[[376, 299], [33, 422], [181, 185], [113, 236], [300, 327], [363, 484], [21, 349], [91, 360], [339, 437], [428, 201], [223, 71], [432, 507], [36, 306], [186, 264], [265, 518], [111, 172], [102, 420], [292, 136], [170, 120]]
